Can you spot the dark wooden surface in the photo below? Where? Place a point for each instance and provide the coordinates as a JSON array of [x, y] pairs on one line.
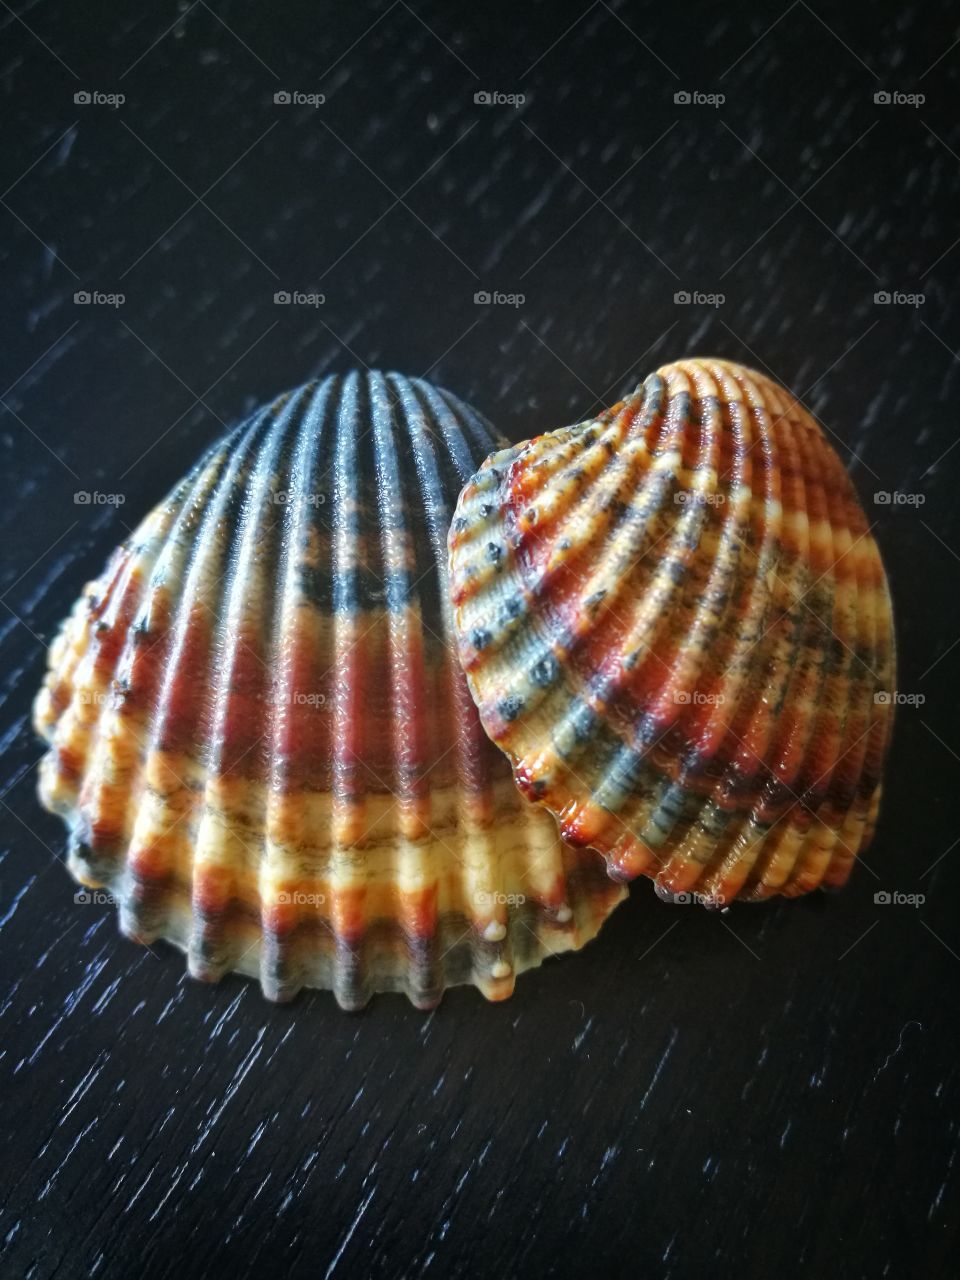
[[772, 1092]]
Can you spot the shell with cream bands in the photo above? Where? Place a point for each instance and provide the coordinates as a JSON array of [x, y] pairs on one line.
[[675, 621], [260, 737]]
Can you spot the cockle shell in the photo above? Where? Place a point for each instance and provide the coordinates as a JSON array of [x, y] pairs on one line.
[[675, 621], [261, 739]]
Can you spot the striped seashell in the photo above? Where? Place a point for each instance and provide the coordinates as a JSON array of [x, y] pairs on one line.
[[675, 621], [260, 737]]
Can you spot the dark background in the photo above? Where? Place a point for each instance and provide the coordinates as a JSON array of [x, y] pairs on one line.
[[771, 1092]]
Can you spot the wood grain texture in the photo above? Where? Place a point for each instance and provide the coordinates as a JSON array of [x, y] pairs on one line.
[[772, 1091]]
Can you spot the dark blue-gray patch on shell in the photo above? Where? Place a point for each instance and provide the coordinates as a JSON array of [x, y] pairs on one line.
[[583, 723], [545, 671], [511, 706], [511, 609]]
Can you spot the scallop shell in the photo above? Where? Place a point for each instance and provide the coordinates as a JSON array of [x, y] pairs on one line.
[[675, 621], [261, 739]]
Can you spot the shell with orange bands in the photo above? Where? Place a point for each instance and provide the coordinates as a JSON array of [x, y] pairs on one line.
[[261, 739], [675, 621]]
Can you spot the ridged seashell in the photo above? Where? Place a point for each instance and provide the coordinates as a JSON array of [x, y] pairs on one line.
[[675, 621], [261, 739]]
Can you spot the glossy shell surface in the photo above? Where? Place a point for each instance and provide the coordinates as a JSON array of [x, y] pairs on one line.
[[675, 621], [260, 736]]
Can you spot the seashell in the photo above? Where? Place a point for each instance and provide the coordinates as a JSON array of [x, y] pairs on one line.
[[675, 621], [261, 739]]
